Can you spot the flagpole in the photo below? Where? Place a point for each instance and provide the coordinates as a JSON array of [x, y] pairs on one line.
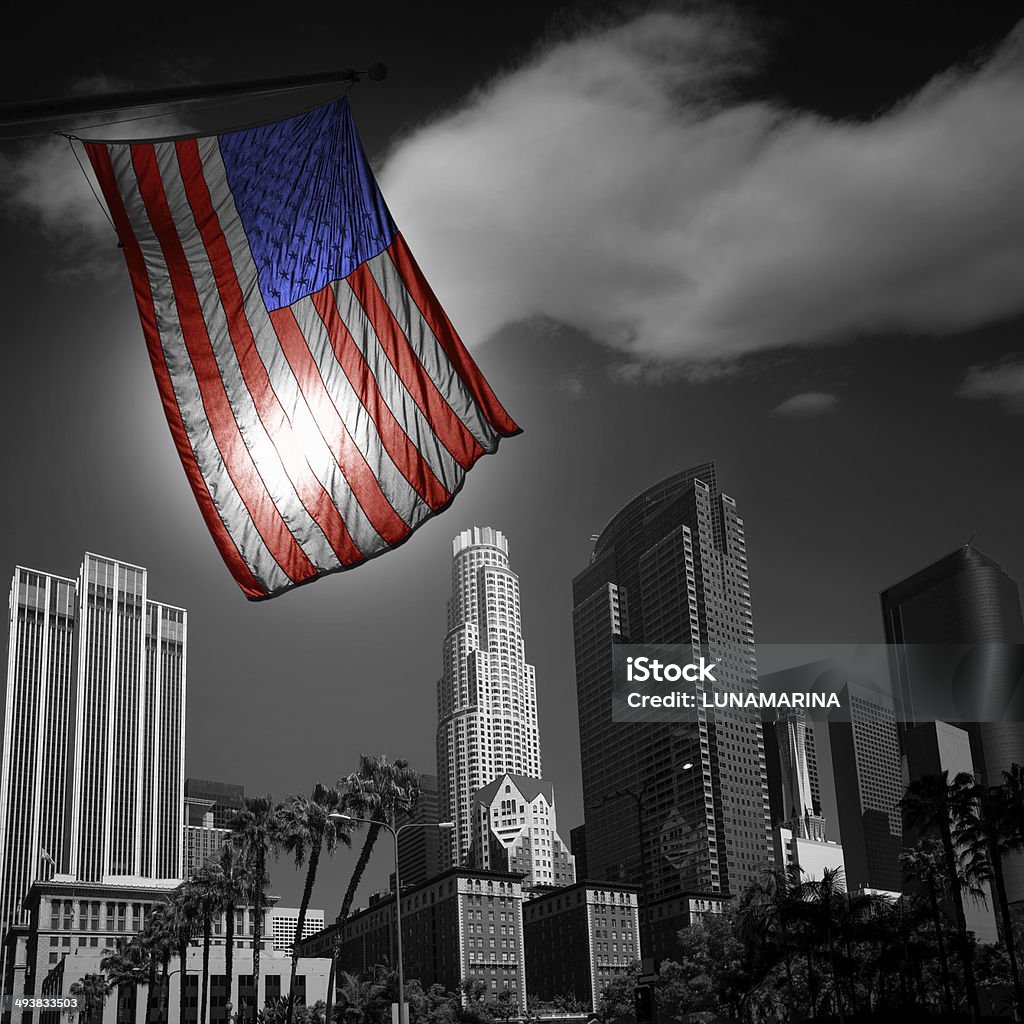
[[61, 108]]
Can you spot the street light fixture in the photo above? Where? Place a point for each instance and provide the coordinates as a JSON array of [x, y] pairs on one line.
[[395, 832]]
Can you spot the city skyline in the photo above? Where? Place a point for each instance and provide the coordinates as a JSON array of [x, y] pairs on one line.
[[838, 448]]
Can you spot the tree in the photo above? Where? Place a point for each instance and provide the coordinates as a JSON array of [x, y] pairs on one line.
[[207, 893], [156, 942], [987, 830], [185, 923], [767, 913], [256, 833], [306, 829], [378, 791], [232, 880], [933, 803], [92, 990], [127, 967], [924, 864]]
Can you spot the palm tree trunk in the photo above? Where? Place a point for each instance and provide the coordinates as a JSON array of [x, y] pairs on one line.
[[151, 996], [307, 895], [229, 952], [182, 954], [257, 933], [165, 994], [207, 939], [996, 860], [346, 906], [966, 952], [941, 946]]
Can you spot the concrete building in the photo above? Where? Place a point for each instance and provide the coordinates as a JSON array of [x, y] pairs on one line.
[[934, 748], [209, 808], [128, 1005], [92, 768], [869, 787], [515, 829], [579, 939], [965, 598], [671, 915], [487, 695], [811, 857], [72, 925], [283, 922], [419, 849], [463, 925], [670, 567]]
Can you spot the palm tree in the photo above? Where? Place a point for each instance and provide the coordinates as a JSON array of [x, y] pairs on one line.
[[924, 864], [766, 915], [185, 922], [127, 967], [156, 942], [931, 804], [234, 884], [207, 887], [378, 791], [92, 990], [986, 831], [822, 905], [257, 834], [307, 827]]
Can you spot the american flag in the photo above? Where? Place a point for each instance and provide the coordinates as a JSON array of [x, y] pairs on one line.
[[321, 402]]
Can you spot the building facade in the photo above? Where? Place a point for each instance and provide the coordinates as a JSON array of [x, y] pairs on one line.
[[92, 769], [487, 695], [671, 568], [869, 787], [284, 921], [579, 938], [965, 598], [515, 829], [71, 925], [209, 808], [419, 849], [464, 925]]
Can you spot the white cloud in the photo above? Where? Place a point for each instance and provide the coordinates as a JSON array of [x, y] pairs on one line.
[[45, 183], [612, 185], [808, 403], [1003, 381]]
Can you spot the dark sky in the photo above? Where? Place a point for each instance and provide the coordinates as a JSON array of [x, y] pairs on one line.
[[855, 367]]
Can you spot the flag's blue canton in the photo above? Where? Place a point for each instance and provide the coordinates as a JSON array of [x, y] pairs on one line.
[[308, 201]]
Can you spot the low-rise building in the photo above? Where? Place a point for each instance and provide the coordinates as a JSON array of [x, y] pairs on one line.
[[579, 938], [667, 917], [462, 925]]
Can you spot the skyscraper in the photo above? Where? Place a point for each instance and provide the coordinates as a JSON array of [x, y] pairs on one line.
[[869, 786], [92, 775], [679, 807], [963, 598], [487, 695]]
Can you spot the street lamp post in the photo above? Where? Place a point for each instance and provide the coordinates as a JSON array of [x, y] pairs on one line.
[[395, 832]]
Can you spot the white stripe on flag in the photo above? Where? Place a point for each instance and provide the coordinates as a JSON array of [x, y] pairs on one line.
[[402, 405], [401, 496], [230, 508], [279, 459]]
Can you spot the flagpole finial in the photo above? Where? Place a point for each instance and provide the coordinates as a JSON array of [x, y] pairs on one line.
[[377, 71]]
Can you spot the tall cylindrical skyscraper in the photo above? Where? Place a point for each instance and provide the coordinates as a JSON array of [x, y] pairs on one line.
[[487, 694]]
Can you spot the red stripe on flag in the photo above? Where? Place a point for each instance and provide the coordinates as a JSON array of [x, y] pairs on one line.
[[364, 483], [450, 430], [242, 470], [404, 453], [100, 160], [424, 297], [314, 497]]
